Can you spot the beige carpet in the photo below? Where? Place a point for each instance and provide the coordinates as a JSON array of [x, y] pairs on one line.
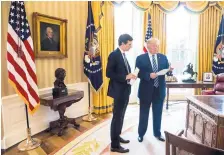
[[97, 140]]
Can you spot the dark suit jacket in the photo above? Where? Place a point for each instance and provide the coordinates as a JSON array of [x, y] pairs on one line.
[[146, 83], [47, 45], [117, 72]]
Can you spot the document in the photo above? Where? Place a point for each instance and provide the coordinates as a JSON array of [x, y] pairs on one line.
[[162, 72], [136, 74]]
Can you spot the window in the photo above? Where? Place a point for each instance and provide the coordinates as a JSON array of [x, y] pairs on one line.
[[182, 39], [129, 20]]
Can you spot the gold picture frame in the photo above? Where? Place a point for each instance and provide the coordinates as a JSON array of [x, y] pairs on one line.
[[50, 36]]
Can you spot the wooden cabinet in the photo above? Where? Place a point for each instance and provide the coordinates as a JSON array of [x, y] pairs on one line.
[[205, 120]]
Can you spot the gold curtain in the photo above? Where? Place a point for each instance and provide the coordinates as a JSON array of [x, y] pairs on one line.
[[144, 5], [158, 19], [169, 6], [221, 4], [101, 102], [208, 30], [199, 6]]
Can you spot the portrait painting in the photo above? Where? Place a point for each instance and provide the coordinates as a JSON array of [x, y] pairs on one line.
[[50, 36], [207, 77]]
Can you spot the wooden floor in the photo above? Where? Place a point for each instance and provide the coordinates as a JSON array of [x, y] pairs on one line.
[[52, 142]]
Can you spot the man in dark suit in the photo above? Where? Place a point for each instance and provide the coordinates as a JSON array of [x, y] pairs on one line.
[[119, 72], [152, 88], [48, 44]]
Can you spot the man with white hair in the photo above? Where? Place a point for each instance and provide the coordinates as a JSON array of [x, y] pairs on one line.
[[48, 44], [152, 88]]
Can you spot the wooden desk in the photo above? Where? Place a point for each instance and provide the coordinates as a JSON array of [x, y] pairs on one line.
[[60, 104], [199, 84], [205, 120]]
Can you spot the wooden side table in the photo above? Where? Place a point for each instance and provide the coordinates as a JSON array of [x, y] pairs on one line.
[[60, 104]]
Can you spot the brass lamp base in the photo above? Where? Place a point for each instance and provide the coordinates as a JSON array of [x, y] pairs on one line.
[[89, 117], [30, 143]]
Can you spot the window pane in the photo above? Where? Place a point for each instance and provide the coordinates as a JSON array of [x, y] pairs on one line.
[[182, 38], [129, 20]]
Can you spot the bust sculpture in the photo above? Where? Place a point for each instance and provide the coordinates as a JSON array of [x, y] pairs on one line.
[[170, 77], [60, 88], [189, 74]]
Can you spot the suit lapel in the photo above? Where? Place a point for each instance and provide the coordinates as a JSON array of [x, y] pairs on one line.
[[158, 60], [148, 61]]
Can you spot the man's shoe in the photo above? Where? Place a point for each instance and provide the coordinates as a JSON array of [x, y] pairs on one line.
[[161, 138], [140, 139], [119, 149], [124, 141]]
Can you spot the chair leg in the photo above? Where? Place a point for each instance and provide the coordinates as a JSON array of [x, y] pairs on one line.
[[173, 150], [167, 147]]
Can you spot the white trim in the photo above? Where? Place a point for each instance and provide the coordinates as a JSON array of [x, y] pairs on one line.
[[3, 144], [13, 115]]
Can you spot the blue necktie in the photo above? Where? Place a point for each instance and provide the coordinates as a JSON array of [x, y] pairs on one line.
[[155, 69]]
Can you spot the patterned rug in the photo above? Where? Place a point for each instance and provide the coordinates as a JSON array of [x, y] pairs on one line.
[[96, 141]]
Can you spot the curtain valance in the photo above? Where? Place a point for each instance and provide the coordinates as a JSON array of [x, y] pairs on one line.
[[169, 6]]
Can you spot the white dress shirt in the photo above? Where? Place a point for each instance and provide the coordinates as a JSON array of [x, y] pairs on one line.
[[150, 57], [121, 52]]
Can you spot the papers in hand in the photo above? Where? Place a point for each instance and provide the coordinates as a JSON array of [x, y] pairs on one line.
[[136, 74], [162, 72]]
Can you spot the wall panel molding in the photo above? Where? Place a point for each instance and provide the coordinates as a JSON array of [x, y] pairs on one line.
[[14, 120]]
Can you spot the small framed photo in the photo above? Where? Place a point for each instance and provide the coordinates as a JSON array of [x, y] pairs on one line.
[[207, 77], [50, 36]]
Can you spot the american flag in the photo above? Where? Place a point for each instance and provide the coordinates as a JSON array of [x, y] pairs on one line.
[[20, 56], [148, 34]]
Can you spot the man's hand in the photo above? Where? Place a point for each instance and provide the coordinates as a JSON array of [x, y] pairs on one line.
[[170, 69], [130, 76], [153, 75]]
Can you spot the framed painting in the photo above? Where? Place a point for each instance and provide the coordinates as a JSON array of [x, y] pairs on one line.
[[50, 36], [207, 77]]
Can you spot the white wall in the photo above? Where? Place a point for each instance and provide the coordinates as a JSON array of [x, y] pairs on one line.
[[14, 118]]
